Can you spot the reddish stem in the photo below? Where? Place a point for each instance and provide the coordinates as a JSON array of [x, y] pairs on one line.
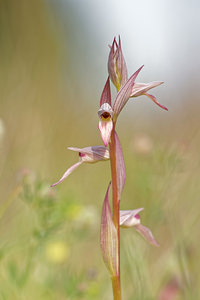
[[116, 201]]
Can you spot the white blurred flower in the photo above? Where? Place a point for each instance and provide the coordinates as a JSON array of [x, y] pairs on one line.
[[142, 144]]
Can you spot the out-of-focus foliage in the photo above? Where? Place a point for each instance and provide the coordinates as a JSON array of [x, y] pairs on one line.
[[49, 245]]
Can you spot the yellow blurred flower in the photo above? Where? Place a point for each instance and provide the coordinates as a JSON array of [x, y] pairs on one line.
[[93, 289], [57, 252], [74, 211]]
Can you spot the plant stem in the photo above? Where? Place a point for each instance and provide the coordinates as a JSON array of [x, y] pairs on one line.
[[116, 288], [116, 201]]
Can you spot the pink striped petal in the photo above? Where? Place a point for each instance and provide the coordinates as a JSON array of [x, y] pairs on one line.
[[129, 218], [68, 172], [147, 234], [106, 94], [124, 93], [153, 98], [121, 172], [109, 238], [121, 65], [105, 127], [111, 65], [92, 154], [141, 88]]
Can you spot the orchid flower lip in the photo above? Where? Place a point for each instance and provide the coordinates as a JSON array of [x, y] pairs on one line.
[[105, 128], [105, 122]]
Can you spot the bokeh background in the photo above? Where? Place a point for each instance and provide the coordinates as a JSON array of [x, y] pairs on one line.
[[53, 58]]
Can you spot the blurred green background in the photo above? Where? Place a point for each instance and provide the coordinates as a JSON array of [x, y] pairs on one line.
[[53, 57]]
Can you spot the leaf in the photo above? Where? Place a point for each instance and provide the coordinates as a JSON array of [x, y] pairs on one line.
[[109, 238]]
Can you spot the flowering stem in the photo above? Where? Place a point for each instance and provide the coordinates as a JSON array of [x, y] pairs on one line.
[[116, 201]]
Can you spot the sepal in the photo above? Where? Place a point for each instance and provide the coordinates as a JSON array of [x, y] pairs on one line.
[[142, 88], [124, 93], [106, 94]]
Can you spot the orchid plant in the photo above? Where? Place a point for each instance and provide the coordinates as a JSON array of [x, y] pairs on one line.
[[108, 114]]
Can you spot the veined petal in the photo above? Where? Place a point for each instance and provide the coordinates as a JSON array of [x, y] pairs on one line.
[[153, 98], [121, 65], [68, 172], [92, 154], [106, 94], [112, 65], [109, 238], [121, 172], [86, 155], [147, 234], [105, 127], [141, 88], [124, 93], [129, 218]]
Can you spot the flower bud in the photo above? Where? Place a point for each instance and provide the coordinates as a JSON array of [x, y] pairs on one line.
[[116, 65]]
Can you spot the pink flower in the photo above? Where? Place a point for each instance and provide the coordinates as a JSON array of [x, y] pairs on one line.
[[126, 88], [86, 155], [107, 113], [131, 218], [109, 238]]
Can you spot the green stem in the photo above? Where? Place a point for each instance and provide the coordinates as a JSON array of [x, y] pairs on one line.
[[116, 201]]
